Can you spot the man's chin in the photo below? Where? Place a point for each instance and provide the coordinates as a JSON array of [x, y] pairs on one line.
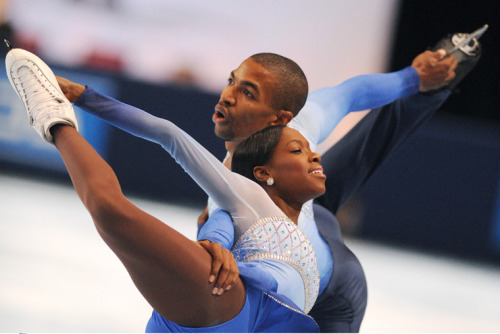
[[224, 135]]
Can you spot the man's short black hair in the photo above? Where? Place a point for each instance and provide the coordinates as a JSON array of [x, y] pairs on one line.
[[291, 82]]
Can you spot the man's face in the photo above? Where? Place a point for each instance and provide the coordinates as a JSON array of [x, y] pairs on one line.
[[244, 106]]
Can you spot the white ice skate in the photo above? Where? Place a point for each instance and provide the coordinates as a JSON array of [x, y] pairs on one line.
[[37, 87]]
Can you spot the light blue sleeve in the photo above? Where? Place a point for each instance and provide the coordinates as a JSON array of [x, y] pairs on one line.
[[326, 107], [218, 228]]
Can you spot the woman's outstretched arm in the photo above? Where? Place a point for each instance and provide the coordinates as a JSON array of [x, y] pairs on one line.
[[244, 199]]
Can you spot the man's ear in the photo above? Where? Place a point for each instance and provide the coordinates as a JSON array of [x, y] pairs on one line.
[[283, 117], [261, 173]]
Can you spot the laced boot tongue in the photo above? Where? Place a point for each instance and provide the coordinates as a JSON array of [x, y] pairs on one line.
[[43, 107], [26, 78], [39, 101]]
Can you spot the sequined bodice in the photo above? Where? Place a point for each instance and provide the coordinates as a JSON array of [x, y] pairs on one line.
[[278, 238]]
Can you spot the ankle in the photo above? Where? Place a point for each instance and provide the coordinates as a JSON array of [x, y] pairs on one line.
[[57, 129]]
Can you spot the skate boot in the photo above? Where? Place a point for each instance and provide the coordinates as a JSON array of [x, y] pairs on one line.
[[37, 87], [466, 50]]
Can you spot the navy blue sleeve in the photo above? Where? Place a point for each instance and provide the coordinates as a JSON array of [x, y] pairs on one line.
[[351, 162]]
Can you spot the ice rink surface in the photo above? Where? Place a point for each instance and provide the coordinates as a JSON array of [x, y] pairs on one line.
[[57, 275]]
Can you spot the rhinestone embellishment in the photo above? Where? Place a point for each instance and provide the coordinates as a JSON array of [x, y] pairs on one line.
[[278, 238]]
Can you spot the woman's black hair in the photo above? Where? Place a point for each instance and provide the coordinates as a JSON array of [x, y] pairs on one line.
[[256, 150]]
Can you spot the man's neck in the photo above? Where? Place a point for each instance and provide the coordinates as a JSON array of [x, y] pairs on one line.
[[230, 147]]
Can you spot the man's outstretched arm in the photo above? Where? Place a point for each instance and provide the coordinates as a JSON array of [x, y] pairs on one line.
[[326, 107]]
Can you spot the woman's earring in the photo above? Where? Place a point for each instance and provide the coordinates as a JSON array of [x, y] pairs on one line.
[[270, 181]]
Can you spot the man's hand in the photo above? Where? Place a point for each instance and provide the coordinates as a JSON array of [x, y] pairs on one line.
[[70, 89], [203, 217], [224, 267], [434, 70]]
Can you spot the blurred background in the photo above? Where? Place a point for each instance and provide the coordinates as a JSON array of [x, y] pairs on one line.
[[426, 227]]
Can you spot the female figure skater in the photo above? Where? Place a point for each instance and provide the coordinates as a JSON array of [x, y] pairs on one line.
[[280, 281]]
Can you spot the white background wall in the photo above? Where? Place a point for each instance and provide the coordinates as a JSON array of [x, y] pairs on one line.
[[331, 39]]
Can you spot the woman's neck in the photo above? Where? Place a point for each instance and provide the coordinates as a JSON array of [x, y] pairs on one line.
[[292, 210]]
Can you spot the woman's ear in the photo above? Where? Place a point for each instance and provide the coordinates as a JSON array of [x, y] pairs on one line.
[[261, 173], [283, 117]]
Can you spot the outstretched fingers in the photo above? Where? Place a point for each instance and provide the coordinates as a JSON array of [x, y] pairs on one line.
[[70, 89]]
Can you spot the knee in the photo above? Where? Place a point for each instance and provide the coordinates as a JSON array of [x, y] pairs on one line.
[[105, 208]]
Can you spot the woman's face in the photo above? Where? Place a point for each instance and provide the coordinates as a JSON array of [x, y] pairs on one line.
[[297, 172]]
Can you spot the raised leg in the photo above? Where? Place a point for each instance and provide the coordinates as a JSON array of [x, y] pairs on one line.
[[169, 270]]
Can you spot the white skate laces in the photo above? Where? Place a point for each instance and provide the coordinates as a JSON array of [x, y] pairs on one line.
[[37, 87]]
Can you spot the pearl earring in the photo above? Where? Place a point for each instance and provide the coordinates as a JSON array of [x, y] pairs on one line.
[[270, 181]]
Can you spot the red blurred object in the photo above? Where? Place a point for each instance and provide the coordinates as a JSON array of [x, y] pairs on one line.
[[102, 60], [26, 42]]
